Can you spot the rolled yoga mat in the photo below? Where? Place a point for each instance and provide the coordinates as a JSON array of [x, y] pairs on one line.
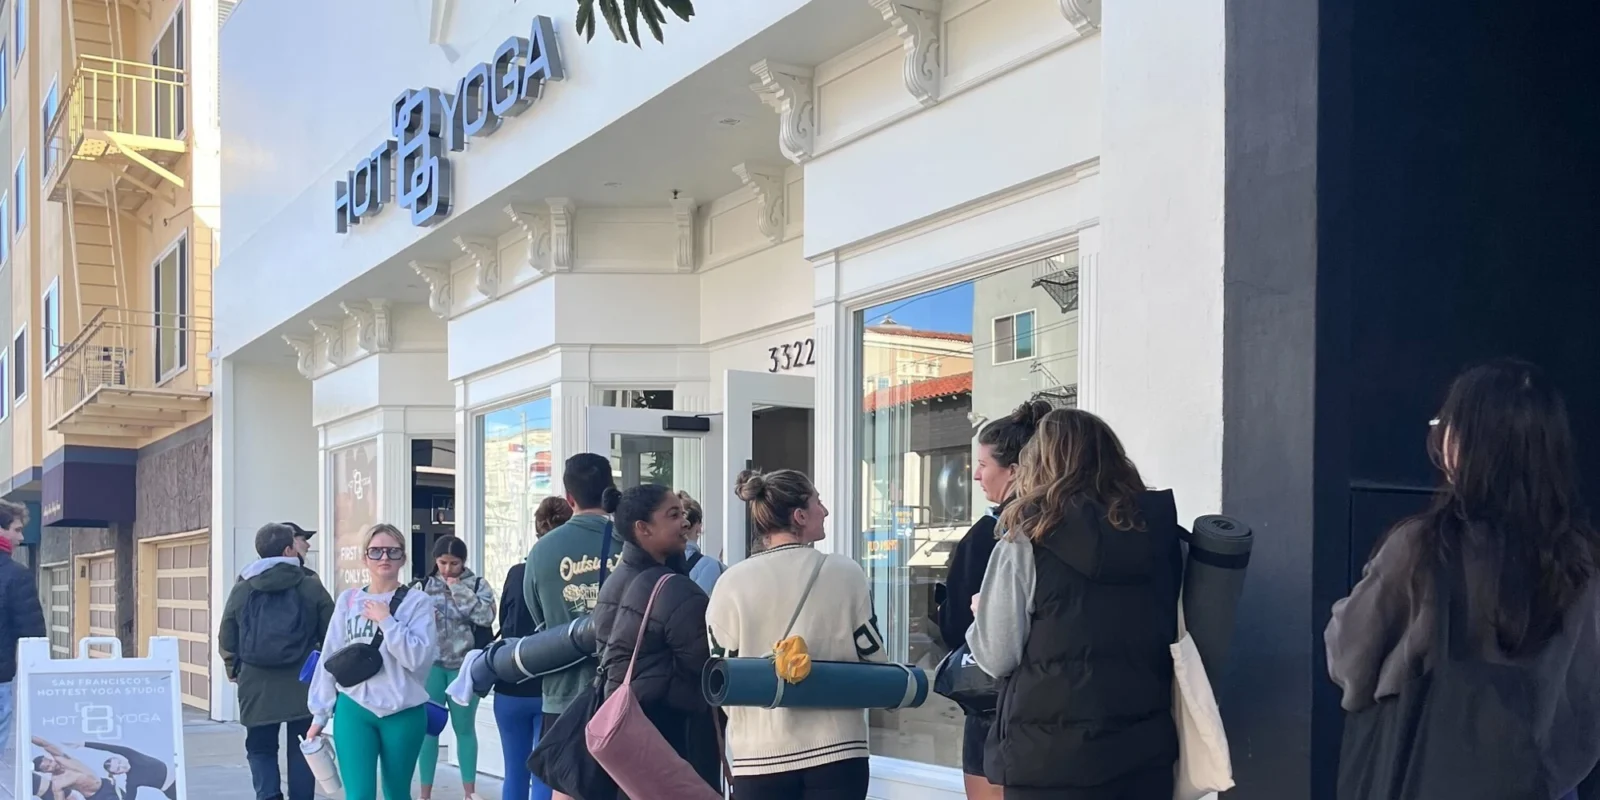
[[831, 684], [529, 657], [1213, 578]]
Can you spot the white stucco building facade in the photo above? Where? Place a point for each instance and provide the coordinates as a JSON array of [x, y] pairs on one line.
[[673, 257]]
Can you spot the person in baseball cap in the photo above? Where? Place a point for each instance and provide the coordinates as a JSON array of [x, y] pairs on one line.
[[302, 543]]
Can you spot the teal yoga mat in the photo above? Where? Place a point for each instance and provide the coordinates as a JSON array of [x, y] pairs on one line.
[[831, 684]]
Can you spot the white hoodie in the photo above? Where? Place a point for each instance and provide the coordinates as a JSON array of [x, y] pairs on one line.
[[409, 649]]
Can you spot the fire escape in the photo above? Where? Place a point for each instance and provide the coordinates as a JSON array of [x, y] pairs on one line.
[[114, 144]]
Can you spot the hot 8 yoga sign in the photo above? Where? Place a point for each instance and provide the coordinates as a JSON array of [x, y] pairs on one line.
[[99, 728]]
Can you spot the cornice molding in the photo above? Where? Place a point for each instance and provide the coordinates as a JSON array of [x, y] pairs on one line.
[[768, 183], [788, 90], [917, 23], [1083, 14], [329, 337], [305, 354], [441, 295], [536, 226], [561, 236], [484, 256], [683, 209]]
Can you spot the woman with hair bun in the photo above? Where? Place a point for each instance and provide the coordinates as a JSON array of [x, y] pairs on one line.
[[999, 449], [674, 652], [794, 753]]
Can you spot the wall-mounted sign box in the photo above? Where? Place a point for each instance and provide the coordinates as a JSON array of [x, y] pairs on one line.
[[88, 487], [429, 123]]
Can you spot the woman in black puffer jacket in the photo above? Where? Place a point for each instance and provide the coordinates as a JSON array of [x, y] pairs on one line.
[[666, 679]]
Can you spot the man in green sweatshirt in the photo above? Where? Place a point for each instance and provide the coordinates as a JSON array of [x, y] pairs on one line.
[[562, 581]]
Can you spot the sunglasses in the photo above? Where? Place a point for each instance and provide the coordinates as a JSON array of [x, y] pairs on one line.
[[389, 553]]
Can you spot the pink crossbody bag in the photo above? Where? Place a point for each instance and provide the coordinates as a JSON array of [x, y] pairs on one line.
[[627, 745]]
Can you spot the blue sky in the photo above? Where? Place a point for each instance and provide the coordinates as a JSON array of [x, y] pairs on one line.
[[948, 309]]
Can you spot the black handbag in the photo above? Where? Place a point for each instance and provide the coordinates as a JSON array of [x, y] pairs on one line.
[[355, 664], [561, 759], [959, 678], [1461, 731], [482, 635]]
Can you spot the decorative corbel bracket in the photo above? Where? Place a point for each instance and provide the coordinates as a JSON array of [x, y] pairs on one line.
[[561, 244], [1083, 14], [305, 352], [329, 337], [917, 24], [787, 89], [536, 226], [683, 217], [372, 324], [441, 295], [484, 254], [768, 183]]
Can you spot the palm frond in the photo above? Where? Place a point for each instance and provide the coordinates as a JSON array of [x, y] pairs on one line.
[[585, 21]]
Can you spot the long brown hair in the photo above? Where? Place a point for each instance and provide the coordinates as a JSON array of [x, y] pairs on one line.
[[1073, 457]]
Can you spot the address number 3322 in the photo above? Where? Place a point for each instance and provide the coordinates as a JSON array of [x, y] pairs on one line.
[[792, 355]]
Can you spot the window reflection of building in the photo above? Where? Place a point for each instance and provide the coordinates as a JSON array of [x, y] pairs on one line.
[[515, 455], [925, 395]]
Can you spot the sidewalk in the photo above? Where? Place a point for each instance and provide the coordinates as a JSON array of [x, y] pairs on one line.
[[217, 769]]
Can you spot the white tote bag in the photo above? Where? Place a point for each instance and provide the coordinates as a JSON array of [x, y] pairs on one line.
[[1204, 766]]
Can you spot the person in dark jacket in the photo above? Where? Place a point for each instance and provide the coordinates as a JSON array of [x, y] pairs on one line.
[[666, 677], [1078, 608], [518, 707], [271, 697], [21, 616], [999, 447], [1510, 521]]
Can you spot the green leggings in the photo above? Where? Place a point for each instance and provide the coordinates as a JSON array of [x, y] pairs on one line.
[[366, 743], [462, 719]]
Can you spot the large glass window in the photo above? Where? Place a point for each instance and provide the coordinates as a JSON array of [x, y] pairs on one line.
[[934, 368], [355, 509], [515, 462]]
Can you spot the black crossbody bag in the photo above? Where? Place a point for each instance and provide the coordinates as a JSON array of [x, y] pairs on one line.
[[356, 663]]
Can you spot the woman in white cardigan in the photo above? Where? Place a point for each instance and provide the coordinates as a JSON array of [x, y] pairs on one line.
[[794, 753]]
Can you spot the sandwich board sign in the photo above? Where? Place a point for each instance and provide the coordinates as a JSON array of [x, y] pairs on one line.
[[99, 728]]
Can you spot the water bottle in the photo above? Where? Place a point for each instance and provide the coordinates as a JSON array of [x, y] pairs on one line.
[[324, 767]]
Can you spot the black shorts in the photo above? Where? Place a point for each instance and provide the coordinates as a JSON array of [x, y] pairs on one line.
[[973, 735], [548, 722]]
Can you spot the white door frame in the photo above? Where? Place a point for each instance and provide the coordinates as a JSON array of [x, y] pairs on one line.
[[604, 421], [743, 392]]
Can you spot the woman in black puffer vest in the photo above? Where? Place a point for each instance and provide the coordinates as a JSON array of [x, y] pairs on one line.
[[1078, 607], [666, 679]]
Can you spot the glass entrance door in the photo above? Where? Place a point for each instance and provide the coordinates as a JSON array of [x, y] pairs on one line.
[[642, 450], [769, 425]]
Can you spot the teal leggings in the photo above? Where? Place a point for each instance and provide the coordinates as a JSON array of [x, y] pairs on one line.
[[366, 743], [462, 719]]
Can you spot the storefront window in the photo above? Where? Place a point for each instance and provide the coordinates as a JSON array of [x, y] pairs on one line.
[[934, 368], [514, 460], [355, 509]]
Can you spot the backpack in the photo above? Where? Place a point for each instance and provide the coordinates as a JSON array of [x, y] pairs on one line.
[[695, 559], [275, 629]]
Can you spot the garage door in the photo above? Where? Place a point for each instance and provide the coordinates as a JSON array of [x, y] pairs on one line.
[[182, 611], [58, 607], [102, 585]]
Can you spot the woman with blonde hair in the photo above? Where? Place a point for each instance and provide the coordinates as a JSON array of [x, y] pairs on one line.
[[788, 589], [379, 715], [1077, 609]]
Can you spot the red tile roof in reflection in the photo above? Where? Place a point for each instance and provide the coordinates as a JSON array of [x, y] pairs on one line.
[[897, 330], [947, 386]]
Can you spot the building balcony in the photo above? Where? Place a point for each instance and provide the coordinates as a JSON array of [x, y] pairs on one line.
[[119, 134], [131, 375]]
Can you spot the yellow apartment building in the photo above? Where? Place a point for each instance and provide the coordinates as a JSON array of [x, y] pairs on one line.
[[111, 225]]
